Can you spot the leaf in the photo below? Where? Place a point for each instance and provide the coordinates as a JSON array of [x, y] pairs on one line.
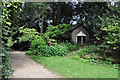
[[9, 23], [114, 48], [108, 41], [8, 5]]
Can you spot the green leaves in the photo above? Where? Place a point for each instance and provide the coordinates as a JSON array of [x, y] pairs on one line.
[[39, 47], [9, 23], [110, 26], [28, 34], [55, 31], [6, 32]]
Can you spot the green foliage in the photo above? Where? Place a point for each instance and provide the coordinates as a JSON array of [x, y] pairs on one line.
[[90, 54], [6, 64], [110, 59], [92, 48], [29, 52], [52, 42], [81, 52], [58, 50], [71, 47], [32, 14], [59, 30], [37, 44], [89, 51], [7, 8], [28, 34], [10, 42], [45, 37], [39, 47], [110, 25]]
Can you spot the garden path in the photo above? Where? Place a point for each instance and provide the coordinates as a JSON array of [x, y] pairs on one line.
[[27, 68]]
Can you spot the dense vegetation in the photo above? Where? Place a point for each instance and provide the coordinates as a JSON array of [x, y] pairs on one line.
[[7, 9], [30, 26]]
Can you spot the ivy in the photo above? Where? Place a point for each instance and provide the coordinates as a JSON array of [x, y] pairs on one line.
[[7, 8]]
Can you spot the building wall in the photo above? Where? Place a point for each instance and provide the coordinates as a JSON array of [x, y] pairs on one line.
[[76, 31]]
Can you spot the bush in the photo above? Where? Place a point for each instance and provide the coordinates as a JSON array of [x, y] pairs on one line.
[[29, 52], [61, 50], [87, 50], [39, 47], [45, 37], [58, 50], [28, 34], [81, 52], [71, 47], [92, 48]]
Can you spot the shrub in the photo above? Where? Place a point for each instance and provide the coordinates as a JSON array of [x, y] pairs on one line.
[[39, 47], [45, 37], [61, 50], [92, 48], [29, 52], [81, 52], [28, 34], [87, 50], [38, 43], [58, 50], [52, 42], [71, 47]]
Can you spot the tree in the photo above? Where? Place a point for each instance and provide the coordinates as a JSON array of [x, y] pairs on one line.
[[110, 25], [36, 15], [58, 31]]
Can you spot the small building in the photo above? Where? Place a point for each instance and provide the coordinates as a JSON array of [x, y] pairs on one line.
[[79, 35]]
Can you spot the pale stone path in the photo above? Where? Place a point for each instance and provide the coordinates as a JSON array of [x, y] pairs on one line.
[[27, 68]]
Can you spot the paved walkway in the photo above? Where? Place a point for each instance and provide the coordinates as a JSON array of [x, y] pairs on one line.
[[27, 68]]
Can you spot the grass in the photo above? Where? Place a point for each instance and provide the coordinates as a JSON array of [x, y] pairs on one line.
[[71, 68]]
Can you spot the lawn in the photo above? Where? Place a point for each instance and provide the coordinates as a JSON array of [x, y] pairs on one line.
[[71, 68]]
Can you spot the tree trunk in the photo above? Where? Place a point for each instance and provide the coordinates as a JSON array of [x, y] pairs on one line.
[[42, 24], [58, 13]]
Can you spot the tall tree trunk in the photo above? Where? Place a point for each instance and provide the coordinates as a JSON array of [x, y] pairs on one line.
[[58, 13], [42, 24]]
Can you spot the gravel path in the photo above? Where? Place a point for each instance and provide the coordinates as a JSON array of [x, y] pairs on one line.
[[27, 68]]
